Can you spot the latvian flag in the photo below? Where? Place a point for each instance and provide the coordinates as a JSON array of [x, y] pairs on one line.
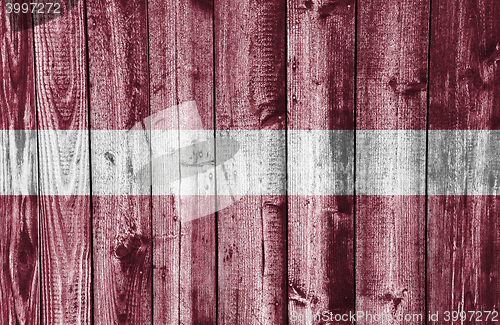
[[279, 168]]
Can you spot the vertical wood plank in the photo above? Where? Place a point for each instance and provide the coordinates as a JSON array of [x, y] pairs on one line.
[[251, 106], [64, 168], [19, 250], [320, 158], [390, 160], [163, 26], [118, 71], [182, 93], [463, 229]]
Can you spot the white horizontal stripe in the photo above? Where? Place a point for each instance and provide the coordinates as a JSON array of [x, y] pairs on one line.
[[319, 162], [390, 162]]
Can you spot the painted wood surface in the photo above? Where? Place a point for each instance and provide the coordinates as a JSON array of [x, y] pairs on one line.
[[19, 236], [390, 178], [166, 218], [119, 100], [61, 90], [346, 197], [250, 88], [162, 25], [320, 99], [195, 82], [463, 229]]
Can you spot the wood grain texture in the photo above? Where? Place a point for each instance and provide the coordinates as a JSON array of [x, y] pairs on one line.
[[194, 53], [392, 65], [19, 249], [463, 250], [17, 100], [181, 66], [390, 257], [184, 245], [118, 72], [250, 95], [64, 170], [165, 76], [321, 65], [320, 97], [321, 256], [464, 53], [391, 90], [163, 69]]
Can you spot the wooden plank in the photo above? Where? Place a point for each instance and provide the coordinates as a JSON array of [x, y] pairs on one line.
[[20, 275], [64, 169], [390, 161], [118, 71], [463, 246], [463, 241], [321, 160], [251, 105], [19, 249]]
